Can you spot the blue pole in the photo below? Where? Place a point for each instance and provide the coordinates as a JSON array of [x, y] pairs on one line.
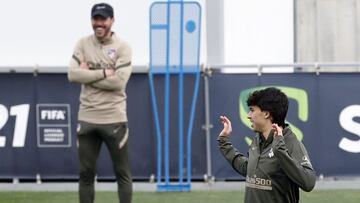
[[191, 121], [155, 110], [181, 100], [192, 113], [157, 124], [167, 97]]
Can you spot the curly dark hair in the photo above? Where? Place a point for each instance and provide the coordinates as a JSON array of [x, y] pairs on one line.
[[272, 100]]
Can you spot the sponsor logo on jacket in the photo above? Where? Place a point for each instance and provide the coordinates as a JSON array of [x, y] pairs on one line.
[[271, 153], [258, 183]]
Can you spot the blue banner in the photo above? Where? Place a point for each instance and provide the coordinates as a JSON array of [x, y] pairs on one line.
[[323, 112], [38, 119]]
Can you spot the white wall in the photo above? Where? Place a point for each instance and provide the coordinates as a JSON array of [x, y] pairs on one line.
[[258, 31], [44, 32], [328, 31]]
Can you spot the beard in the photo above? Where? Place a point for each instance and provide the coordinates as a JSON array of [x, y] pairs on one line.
[[101, 32], [254, 128]]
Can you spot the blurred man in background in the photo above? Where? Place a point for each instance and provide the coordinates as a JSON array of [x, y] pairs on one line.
[[101, 63], [277, 163]]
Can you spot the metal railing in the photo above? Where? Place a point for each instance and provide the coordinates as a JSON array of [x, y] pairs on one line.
[[317, 68], [286, 68]]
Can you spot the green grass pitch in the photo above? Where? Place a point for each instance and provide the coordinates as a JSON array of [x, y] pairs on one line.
[[328, 196]]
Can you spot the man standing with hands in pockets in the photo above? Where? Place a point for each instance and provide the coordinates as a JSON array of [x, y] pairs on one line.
[[277, 164]]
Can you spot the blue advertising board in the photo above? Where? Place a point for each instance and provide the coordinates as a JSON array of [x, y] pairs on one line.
[[316, 111], [38, 119]]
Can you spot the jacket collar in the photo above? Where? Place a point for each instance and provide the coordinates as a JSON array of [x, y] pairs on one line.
[[105, 41], [265, 142]]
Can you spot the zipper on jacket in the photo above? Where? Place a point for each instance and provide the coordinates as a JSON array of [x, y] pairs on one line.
[[259, 153]]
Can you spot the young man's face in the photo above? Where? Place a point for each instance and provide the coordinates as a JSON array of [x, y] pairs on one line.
[[259, 119], [102, 26]]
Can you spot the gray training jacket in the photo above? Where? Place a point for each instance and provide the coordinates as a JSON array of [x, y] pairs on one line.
[[274, 174]]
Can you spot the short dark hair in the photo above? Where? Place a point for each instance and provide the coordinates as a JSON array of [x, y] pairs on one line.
[[272, 100]]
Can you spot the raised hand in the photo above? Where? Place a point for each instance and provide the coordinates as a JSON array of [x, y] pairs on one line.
[[227, 127], [277, 130]]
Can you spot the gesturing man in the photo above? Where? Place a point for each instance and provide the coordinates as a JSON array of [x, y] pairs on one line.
[[277, 164]]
